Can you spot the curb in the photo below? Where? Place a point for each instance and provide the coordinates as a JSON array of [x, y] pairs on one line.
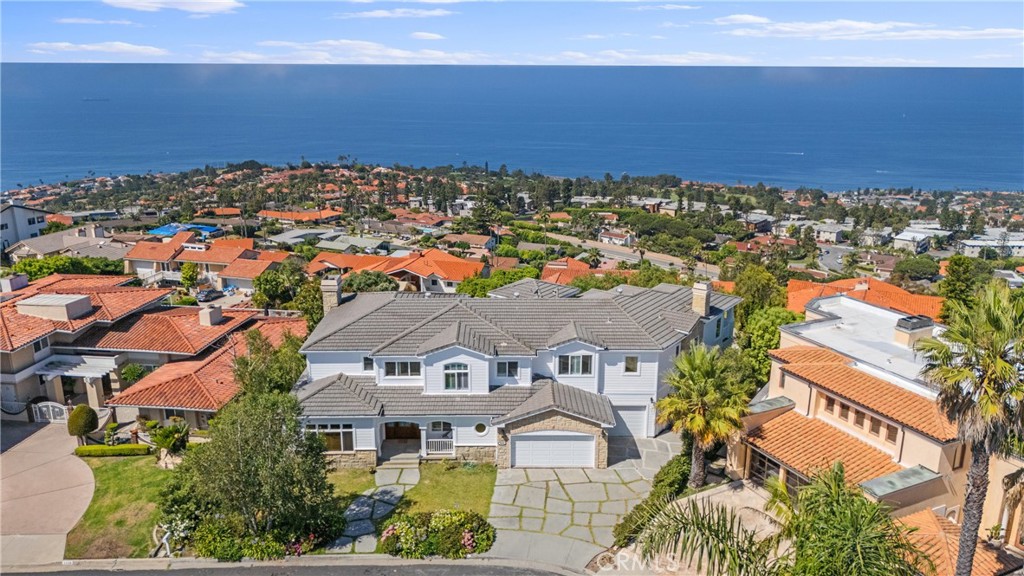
[[369, 560]]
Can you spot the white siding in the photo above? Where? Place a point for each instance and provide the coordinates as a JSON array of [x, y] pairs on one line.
[[465, 435], [383, 380], [479, 371], [589, 382], [524, 374], [324, 364], [365, 431], [616, 381]]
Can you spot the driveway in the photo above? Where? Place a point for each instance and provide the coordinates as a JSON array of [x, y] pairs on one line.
[[44, 490]]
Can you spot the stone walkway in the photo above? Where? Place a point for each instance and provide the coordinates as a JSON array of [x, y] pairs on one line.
[[360, 534]]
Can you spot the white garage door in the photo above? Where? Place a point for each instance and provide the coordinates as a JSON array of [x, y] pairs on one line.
[[553, 450], [630, 421]]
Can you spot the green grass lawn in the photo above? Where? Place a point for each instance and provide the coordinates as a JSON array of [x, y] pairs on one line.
[[351, 482], [120, 519], [464, 488]]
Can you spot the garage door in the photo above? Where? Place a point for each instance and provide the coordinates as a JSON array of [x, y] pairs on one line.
[[630, 421], [553, 450]]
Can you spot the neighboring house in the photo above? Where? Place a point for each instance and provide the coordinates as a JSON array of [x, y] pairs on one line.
[[846, 386], [883, 264], [247, 243], [300, 216], [616, 237], [477, 241], [830, 233], [565, 270], [758, 223], [916, 240], [427, 271], [763, 244], [19, 222], [240, 273], [1011, 245], [212, 259], [72, 240], [354, 244], [196, 389], [799, 293], [873, 237], [153, 262], [517, 382], [530, 288]]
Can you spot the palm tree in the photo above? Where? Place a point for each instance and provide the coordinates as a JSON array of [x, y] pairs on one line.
[[828, 527], [706, 404], [593, 257], [976, 365]]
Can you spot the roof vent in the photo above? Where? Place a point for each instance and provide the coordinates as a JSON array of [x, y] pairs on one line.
[[910, 329], [515, 294], [60, 307], [13, 282], [210, 316]]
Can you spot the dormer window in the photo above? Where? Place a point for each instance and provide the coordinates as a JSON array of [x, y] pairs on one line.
[[508, 369], [575, 365], [456, 376]]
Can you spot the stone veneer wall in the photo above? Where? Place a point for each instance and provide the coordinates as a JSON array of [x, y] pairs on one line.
[[479, 454], [357, 459], [558, 422]]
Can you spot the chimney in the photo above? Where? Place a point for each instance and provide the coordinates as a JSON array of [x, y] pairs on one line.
[[210, 316], [330, 288], [95, 231], [910, 329], [702, 298]]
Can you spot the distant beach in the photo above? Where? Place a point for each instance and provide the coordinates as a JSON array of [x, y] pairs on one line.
[[830, 128]]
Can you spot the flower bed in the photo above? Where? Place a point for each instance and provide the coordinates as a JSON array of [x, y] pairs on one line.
[[446, 533]]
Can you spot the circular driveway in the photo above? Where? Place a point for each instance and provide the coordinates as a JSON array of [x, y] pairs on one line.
[[44, 490]]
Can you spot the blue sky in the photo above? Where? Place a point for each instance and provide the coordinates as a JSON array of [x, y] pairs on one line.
[[961, 34]]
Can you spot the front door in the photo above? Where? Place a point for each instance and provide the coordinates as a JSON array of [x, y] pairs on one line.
[[401, 431]]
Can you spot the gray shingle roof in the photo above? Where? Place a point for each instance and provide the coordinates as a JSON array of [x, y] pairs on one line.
[[532, 288], [404, 324], [339, 395], [566, 399]]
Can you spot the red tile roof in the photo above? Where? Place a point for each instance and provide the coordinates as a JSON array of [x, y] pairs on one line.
[[429, 262], [171, 330], [939, 539], [785, 439], [300, 215], [870, 290], [807, 355], [248, 269], [226, 212], [208, 383], [273, 255], [160, 251], [214, 255], [247, 243]]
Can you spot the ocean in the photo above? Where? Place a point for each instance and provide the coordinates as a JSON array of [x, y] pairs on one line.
[[830, 128]]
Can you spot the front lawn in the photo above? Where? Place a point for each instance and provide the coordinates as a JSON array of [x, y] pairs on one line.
[[351, 482], [466, 487], [120, 519]]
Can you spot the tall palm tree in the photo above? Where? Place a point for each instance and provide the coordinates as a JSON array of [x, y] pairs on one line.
[[977, 365], [828, 527], [706, 404]]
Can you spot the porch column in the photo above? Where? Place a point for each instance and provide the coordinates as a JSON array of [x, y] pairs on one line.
[[423, 441], [91, 385], [54, 389], [115, 380]]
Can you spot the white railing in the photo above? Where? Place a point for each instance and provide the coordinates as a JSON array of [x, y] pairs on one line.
[[440, 446], [159, 276], [49, 412]]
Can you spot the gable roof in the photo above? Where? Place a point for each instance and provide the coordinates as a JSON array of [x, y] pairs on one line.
[[432, 262], [566, 399], [206, 384], [214, 255], [172, 330], [247, 243], [870, 290], [532, 288], [939, 539], [160, 251], [249, 269]]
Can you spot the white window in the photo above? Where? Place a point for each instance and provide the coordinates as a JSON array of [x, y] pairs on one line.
[[508, 369], [480, 428], [367, 364], [41, 344], [401, 368], [456, 376], [338, 437], [443, 427], [576, 365], [632, 365]]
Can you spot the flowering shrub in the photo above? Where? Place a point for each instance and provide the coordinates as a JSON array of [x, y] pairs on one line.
[[447, 533]]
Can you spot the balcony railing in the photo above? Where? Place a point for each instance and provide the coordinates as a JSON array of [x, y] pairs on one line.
[[440, 446]]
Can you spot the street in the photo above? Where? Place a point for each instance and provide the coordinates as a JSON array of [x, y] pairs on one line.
[[627, 254], [831, 256]]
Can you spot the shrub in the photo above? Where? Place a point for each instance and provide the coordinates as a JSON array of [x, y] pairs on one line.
[[132, 373], [218, 538], [447, 533], [108, 434], [100, 451], [263, 548], [82, 421], [668, 483], [185, 301]]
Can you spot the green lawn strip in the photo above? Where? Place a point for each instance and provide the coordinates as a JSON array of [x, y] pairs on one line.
[[462, 488], [120, 519], [351, 482]]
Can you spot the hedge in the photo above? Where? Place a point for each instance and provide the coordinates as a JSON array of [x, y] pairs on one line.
[[118, 450], [669, 482]]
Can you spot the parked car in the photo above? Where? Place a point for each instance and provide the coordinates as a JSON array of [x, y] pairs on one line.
[[209, 295]]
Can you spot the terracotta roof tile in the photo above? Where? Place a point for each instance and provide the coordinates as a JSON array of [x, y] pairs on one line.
[[807, 355], [247, 243], [785, 438], [871, 290], [213, 255], [939, 539], [885, 398], [300, 215], [205, 384], [272, 255], [248, 269], [171, 330], [160, 251]]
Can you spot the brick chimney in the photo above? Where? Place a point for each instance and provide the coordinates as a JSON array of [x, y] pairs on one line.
[[210, 316], [702, 298], [330, 288]]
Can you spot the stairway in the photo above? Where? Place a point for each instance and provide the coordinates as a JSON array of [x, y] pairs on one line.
[[400, 462]]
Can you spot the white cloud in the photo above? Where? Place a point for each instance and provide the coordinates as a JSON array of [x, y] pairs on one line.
[[94, 21], [346, 51], [672, 25], [845, 29], [650, 7], [194, 6], [397, 13], [873, 61], [108, 47], [636, 58], [741, 19], [603, 36], [425, 36], [659, 37]]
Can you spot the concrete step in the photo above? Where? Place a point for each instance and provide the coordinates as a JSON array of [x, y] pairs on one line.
[[399, 465]]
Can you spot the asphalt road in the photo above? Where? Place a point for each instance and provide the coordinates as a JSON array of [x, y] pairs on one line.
[[834, 259], [336, 570], [627, 254]]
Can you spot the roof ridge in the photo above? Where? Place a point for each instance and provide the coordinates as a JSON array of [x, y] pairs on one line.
[[412, 328], [328, 333], [465, 304]]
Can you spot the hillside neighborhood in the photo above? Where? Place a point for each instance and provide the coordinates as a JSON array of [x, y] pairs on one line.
[[461, 362]]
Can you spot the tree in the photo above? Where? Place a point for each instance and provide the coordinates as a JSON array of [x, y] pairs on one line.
[[761, 334], [916, 268], [264, 369], [959, 285], [478, 286], [83, 420], [52, 227], [132, 373], [704, 404], [172, 438], [759, 289], [36, 268], [975, 365], [369, 281], [189, 275], [311, 302], [261, 475], [828, 528]]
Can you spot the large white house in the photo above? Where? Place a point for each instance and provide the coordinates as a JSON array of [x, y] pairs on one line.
[[18, 222], [522, 381]]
